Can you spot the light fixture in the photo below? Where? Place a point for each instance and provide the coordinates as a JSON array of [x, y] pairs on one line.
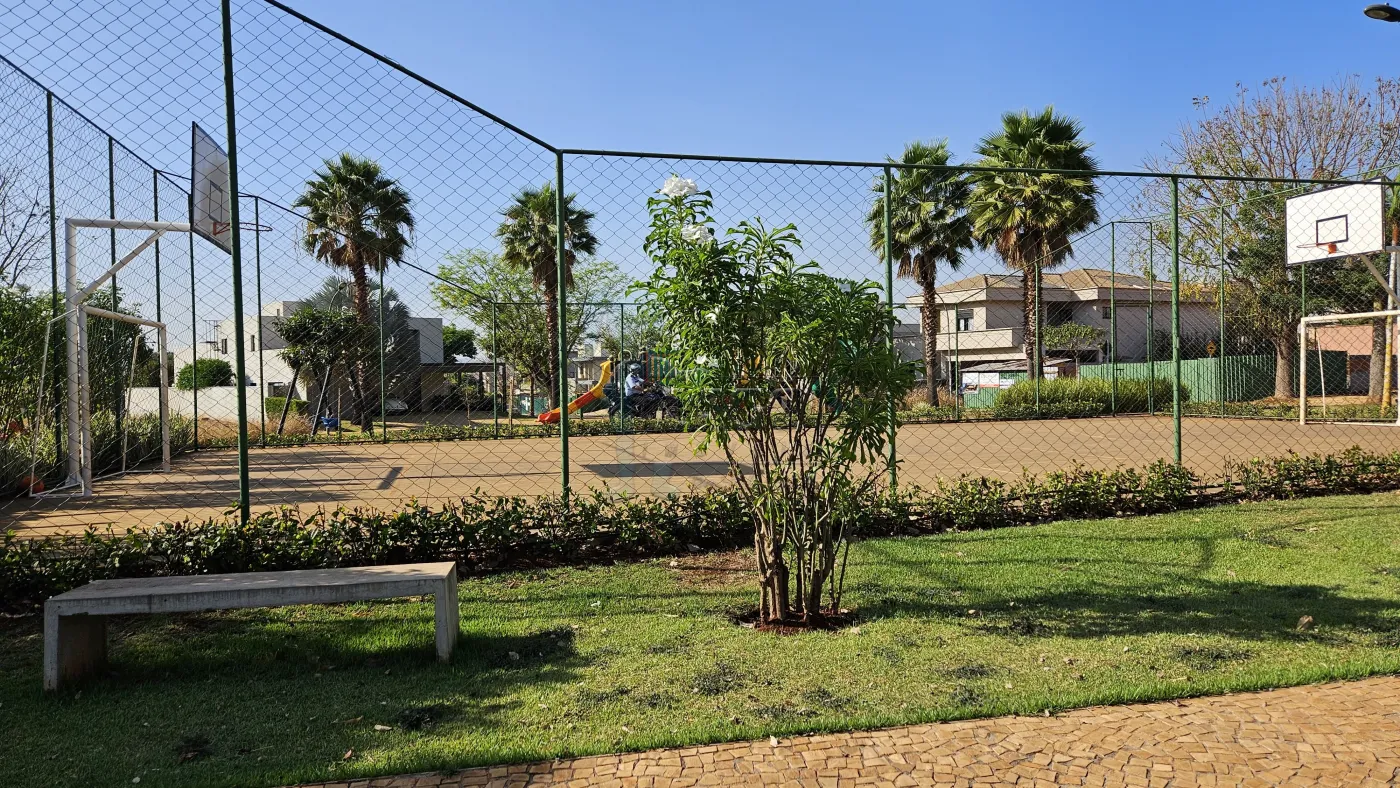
[[1383, 12]]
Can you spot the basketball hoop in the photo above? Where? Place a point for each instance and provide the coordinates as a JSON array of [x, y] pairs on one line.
[[222, 228]]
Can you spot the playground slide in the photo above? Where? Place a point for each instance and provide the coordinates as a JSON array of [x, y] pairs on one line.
[[587, 398]]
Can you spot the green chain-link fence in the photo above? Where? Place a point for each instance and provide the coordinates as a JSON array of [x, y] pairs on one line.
[[1152, 317]]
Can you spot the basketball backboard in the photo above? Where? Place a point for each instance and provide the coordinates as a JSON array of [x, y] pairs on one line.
[[1336, 222], [209, 207]]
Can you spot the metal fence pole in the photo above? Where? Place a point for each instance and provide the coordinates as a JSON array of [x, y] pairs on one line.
[[194, 335], [495, 378], [1302, 342], [116, 299], [1151, 321], [1220, 367], [889, 298], [241, 373], [1113, 317], [1176, 322], [383, 401], [622, 365], [257, 320], [560, 216], [59, 381]]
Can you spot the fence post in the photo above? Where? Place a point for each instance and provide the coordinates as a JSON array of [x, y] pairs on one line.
[[241, 373], [257, 320], [495, 379], [59, 446], [1220, 368], [620, 375], [383, 401], [1113, 317], [889, 299], [560, 257], [194, 334], [1176, 321], [1301, 371], [116, 303], [1151, 318]]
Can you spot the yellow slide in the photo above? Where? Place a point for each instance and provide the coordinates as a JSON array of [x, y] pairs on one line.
[[586, 398]]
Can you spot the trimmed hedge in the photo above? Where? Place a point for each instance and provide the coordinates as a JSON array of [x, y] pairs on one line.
[[204, 373], [1131, 396], [483, 533], [272, 406]]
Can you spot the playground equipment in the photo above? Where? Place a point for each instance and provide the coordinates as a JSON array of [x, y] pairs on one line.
[[587, 398]]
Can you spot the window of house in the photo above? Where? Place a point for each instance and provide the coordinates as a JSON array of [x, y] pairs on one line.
[[223, 346], [1107, 311], [964, 320], [253, 342], [1058, 313]]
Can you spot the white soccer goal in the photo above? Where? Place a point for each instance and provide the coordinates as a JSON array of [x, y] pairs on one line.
[[209, 218], [1315, 321]]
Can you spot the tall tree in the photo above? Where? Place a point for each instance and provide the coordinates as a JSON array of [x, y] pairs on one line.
[[513, 319], [358, 220], [528, 236], [1028, 217], [929, 226], [1343, 129]]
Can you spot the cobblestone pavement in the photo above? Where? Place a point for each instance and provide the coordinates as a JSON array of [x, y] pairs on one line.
[[1328, 735]]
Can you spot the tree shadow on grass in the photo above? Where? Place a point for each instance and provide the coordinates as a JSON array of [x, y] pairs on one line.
[[1083, 586]]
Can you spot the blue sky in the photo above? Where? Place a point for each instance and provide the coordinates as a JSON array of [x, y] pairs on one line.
[[856, 80], [816, 79]]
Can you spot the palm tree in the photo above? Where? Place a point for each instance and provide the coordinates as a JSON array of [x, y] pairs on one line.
[[929, 225], [359, 220], [1028, 216], [528, 235]]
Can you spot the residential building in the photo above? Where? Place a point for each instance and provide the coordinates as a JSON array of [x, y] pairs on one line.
[[980, 316]]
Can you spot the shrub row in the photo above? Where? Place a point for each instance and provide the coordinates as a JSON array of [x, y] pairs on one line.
[[139, 434], [1127, 396], [1264, 410], [484, 533]]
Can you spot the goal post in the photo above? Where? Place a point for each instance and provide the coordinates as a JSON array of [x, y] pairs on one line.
[[78, 405], [1333, 319]]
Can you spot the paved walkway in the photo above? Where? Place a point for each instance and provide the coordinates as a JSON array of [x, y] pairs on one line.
[[1328, 735]]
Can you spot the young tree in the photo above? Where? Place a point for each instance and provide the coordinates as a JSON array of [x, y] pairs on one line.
[[1029, 217], [929, 225], [513, 321], [798, 377], [529, 235], [1283, 131], [317, 340], [357, 220]]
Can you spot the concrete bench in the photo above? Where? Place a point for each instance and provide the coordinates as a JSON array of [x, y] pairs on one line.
[[75, 624]]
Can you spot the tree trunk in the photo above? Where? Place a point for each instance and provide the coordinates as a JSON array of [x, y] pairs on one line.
[[551, 322], [1030, 307], [1285, 354], [361, 390], [773, 577], [931, 327]]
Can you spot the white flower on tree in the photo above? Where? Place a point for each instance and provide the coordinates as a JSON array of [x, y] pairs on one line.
[[676, 186], [696, 234]]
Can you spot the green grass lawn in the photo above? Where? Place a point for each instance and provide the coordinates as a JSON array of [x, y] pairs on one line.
[[576, 661]]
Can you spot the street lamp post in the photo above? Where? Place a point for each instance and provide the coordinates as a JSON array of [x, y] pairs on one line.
[[1383, 11]]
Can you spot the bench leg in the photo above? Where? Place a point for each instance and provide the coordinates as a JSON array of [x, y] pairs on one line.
[[74, 646], [448, 617]]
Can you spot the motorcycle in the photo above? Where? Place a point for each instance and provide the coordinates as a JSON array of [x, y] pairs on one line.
[[652, 401]]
